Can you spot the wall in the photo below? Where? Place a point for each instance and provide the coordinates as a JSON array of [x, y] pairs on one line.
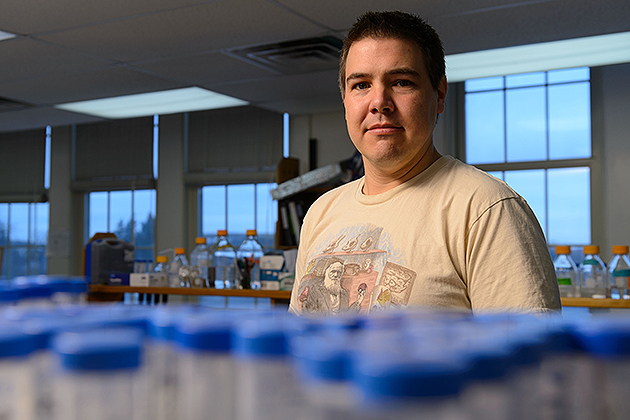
[[615, 110]]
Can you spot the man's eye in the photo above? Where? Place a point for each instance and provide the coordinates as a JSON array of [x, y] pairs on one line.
[[404, 83], [361, 85]]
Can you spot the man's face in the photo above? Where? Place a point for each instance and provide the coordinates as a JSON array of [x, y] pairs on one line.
[[390, 104], [335, 271], [332, 277]]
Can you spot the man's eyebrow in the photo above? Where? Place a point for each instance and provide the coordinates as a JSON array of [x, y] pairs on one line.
[[404, 70], [401, 70], [357, 76]]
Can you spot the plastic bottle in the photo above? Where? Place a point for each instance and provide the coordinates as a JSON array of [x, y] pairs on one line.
[[265, 380], [248, 256], [393, 389], [225, 262], [593, 274], [199, 259], [205, 371], [100, 376], [178, 276], [162, 363], [566, 272], [619, 272], [17, 394], [161, 272]]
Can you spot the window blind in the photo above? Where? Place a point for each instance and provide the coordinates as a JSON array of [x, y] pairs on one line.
[[119, 150], [241, 144], [22, 162]]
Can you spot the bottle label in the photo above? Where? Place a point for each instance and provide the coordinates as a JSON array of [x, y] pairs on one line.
[[564, 281], [621, 278]]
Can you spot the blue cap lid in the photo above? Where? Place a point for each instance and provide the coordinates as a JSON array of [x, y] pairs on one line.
[[204, 335], [263, 338], [324, 356], [15, 342], [490, 362], [606, 339], [408, 379], [9, 294], [34, 290], [104, 349]]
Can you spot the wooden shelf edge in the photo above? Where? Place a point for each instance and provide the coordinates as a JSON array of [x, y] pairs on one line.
[[595, 303], [273, 294]]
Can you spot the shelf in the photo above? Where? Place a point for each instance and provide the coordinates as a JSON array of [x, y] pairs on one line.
[[285, 295], [274, 295], [595, 303]]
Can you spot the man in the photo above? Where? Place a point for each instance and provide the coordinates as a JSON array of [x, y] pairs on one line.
[[449, 235]]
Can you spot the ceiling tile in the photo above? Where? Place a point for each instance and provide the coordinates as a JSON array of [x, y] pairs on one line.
[[24, 58], [186, 31], [205, 69], [70, 87], [298, 87], [39, 16]]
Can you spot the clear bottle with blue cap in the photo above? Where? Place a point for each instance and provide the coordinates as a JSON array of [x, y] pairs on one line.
[[17, 395], [323, 361], [410, 388], [205, 368], [486, 394], [607, 343], [33, 293], [99, 375], [265, 379], [162, 361]]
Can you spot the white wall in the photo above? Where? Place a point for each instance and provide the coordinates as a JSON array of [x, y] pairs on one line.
[[615, 110]]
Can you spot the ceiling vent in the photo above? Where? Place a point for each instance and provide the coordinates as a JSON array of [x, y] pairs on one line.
[[295, 57], [11, 105]]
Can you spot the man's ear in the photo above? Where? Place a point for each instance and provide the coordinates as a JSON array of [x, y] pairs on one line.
[[441, 94]]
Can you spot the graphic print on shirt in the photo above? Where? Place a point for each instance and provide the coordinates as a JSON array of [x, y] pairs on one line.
[[352, 273]]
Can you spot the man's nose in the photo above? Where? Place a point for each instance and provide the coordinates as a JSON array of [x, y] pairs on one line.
[[381, 100]]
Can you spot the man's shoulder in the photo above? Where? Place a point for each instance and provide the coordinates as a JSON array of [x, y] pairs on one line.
[[341, 192], [469, 180]]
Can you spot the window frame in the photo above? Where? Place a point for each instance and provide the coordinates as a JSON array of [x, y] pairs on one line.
[[32, 247], [86, 219], [456, 145]]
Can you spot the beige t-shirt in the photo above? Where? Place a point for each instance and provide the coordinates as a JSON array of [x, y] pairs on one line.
[[452, 237]]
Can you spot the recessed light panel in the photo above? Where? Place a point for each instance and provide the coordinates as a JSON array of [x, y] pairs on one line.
[[6, 35], [580, 52], [162, 103]]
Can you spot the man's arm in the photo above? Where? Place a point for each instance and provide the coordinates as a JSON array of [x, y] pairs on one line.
[[508, 264]]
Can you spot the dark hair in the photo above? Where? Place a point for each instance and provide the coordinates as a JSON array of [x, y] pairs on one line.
[[397, 25]]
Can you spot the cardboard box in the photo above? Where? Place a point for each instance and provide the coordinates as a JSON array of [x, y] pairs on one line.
[[270, 270], [139, 279]]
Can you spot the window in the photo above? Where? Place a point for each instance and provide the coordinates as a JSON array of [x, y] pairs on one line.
[[130, 214], [534, 131], [237, 208], [23, 235]]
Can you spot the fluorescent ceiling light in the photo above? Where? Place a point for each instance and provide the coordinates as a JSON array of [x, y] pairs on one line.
[[144, 104], [580, 52], [6, 35]]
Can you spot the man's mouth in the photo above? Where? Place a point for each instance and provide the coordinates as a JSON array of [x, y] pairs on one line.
[[383, 128]]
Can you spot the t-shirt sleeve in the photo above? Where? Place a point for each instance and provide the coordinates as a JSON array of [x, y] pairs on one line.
[[509, 266], [300, 266]]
